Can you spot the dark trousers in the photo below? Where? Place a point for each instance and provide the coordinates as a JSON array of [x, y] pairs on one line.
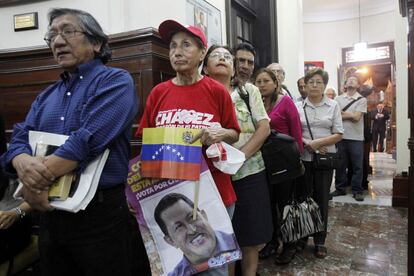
[[378, 136], [318, 183], [366, 168], [280, 194], [14, 239], [352, 152], [96, 241]]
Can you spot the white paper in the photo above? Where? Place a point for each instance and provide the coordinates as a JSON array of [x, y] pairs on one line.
[[89, 178], [233, 161]]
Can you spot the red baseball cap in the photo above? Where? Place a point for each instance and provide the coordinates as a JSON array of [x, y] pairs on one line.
[[169, 27]]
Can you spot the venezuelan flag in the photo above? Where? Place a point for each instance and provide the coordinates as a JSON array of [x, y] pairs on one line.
[[167, 153]]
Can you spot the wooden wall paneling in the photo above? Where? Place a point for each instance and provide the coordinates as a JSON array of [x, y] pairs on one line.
[[24, 73]]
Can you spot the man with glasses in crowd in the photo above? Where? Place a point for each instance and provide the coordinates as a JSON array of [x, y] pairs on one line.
[[95, 106]]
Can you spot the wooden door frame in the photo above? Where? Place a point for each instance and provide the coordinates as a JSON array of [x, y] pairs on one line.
[[407, 9]]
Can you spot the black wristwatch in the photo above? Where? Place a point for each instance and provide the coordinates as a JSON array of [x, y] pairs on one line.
[[21, 213]]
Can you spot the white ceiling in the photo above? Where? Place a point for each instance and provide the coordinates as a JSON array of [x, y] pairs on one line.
[[335, 10]]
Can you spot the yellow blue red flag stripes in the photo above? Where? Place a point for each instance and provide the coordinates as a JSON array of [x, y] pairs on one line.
[[167, 153]]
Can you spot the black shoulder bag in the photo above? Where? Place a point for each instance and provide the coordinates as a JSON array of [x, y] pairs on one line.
[[327, 161], [280, 154]]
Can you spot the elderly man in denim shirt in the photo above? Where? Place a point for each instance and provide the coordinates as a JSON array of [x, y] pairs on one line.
[[95, 106]]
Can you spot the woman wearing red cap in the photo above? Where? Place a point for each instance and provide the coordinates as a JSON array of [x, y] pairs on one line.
[[194, 101]]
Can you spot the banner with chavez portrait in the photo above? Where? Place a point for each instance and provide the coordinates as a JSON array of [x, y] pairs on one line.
[[176, 243]]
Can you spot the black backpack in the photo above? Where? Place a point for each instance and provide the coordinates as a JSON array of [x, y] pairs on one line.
[[280, 154]]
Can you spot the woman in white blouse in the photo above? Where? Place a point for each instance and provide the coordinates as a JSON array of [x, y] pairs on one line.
[[325, 122]]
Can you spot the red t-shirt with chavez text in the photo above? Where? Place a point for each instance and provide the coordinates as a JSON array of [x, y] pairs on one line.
[[200, 105]]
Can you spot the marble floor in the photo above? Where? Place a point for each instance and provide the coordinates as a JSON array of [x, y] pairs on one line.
[[380, 182], [364, 238]]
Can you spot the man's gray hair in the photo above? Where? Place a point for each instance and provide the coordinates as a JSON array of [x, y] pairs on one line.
[[93, 31]]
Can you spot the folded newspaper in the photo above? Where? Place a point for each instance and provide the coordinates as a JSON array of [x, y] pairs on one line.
[[84, 188]]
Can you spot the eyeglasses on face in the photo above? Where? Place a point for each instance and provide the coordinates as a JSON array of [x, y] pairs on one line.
[[218, 55], [318, 83], [66, 33]]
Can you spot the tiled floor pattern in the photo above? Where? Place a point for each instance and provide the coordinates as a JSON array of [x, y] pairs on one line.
[[380, 182], [368, 238]]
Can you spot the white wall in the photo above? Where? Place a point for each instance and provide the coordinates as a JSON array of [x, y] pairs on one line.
[[35, 37], [290, 41], [403, 123], [324, 41], [114, 16]]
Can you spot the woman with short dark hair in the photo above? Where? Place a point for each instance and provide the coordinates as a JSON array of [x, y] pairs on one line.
[[322, 128]]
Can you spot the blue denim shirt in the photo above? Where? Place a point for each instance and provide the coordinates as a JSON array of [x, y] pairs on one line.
[[95, 106]]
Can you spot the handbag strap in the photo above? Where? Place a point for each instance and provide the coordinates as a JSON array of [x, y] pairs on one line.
[[307, 121], [306, 189], [351, 103], [310, 131], [293, 190], [246, 98], [287, 91]]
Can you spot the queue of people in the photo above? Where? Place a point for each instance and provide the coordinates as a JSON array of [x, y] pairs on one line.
[[284, 118], [95, 106], [252, 218]]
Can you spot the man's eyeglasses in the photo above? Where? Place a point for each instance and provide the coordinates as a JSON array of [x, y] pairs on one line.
[[66, 34], [243, 60], [218, 55]]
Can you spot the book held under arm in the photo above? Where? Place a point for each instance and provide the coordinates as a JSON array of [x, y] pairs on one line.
[[60, 189], [73, 191]]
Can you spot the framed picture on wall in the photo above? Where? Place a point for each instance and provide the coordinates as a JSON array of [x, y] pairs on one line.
[[309, 65], [5, 3], [207, 17]]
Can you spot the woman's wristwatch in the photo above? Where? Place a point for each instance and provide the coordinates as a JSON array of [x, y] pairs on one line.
[[21, 213]]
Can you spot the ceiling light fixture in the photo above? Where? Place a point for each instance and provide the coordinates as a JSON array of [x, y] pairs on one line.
[[360, 48]]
